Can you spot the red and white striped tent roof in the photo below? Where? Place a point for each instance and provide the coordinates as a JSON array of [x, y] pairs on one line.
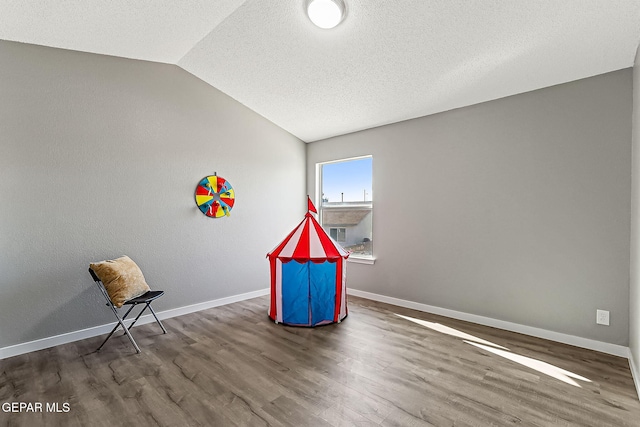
[[308, 242]]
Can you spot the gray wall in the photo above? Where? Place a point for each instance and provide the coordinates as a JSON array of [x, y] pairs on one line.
[[99, 157], [516, 209], [634, 294]]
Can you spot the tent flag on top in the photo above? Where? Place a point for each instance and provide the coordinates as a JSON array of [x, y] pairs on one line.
[[310, 206], [308, 276]]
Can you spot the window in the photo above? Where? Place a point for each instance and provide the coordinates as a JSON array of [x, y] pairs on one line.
[[346, 203], [338, 234]]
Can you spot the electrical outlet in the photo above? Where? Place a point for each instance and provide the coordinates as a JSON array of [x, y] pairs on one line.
[[602, 317]]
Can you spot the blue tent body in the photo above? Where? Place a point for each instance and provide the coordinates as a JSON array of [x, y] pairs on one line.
[[306, 298]]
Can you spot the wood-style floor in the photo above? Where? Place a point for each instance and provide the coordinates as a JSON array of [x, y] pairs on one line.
[[231, 365]]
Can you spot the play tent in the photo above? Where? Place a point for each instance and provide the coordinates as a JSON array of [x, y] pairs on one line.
[[308, 277]]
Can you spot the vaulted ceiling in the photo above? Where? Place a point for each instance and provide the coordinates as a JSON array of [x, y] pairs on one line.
[[388, 61]]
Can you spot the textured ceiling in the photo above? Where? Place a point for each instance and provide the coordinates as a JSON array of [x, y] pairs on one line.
[[154, 30], [387, 62]]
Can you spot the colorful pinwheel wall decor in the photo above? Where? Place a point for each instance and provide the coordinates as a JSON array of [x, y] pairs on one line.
[[215, 196]]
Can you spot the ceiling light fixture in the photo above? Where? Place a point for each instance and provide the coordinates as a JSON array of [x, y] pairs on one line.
[[326, 13]]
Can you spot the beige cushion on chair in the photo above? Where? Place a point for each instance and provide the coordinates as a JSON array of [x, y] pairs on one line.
[[122, 279]]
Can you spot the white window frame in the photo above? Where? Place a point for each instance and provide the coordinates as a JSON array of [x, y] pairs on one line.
[[355, 258]]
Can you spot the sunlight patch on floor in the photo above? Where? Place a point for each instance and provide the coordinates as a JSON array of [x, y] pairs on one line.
[[538, 365], [560, 374], [449, 331]]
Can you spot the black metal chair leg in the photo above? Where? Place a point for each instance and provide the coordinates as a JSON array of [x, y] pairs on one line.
[[157, 320], [132, 340], [148, 305], [139, 314], [114, 328], [126, 330]]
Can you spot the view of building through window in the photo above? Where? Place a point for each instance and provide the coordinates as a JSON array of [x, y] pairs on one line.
[[346, 208]]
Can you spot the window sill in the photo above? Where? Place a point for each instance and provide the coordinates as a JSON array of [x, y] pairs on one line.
[[361, 260]]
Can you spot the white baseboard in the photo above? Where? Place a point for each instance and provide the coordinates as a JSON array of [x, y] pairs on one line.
[[635, 373], [614, 349], [53, 341]]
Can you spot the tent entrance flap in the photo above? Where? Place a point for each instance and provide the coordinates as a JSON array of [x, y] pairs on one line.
[[322, 279], [308, 299], [295, 296]]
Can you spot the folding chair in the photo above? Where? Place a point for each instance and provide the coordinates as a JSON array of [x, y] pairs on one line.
[[146, 299]]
